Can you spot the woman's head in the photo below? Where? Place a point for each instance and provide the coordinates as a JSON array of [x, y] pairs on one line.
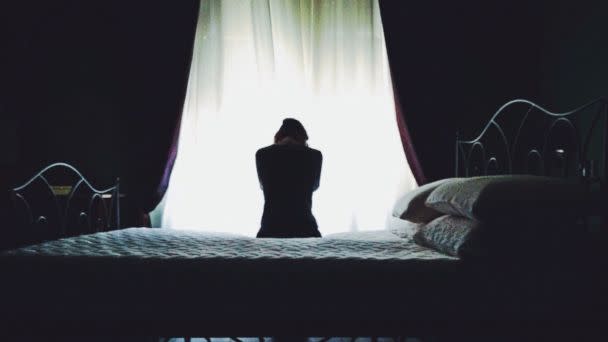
[[291, 128]]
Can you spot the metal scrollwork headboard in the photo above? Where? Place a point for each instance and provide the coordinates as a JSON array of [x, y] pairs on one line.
[[525, 138], [46, 208]]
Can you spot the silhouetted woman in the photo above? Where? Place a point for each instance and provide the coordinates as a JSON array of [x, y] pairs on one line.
[[289, 172]]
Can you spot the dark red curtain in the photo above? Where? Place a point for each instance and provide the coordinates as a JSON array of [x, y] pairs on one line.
[[153, 188], [166, 167], [161, 87], [393, 56], [406, 141], [453, 63]]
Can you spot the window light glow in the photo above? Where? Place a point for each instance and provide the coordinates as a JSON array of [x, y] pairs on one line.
[[255, 63]]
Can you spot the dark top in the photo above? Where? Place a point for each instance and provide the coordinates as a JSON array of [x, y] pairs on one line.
[[288, 176]]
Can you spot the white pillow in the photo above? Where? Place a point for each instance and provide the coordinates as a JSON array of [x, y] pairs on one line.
[[487, 198], [402, 228], [451, 235], [411, 206]]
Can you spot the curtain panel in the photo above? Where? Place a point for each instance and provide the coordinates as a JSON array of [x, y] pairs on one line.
[[150, 190], [389, 11], [257, 62]]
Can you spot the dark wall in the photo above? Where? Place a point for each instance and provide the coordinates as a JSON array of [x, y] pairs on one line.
[[97, 84], [574, 53], [455, 63]]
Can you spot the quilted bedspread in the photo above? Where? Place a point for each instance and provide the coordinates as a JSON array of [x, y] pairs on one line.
[[147, 243]]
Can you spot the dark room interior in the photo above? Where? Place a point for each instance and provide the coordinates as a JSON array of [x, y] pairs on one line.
[[100, 85]]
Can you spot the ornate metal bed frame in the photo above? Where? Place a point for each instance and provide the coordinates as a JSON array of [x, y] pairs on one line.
[[564, 150], [75, 207]]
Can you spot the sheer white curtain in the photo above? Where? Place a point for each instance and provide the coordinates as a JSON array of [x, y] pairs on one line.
[[257, 62]]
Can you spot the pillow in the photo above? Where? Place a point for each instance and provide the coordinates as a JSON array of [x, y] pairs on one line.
[[451, 235], [402, 228], [411, 206], [462, 237], [488, 198]]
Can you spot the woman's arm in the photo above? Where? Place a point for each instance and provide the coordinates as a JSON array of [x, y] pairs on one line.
[[258, 166], [317, 170]]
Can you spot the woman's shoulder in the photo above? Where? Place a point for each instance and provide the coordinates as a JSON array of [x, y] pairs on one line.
[[317, 153], [310, 150], [260, 153], [265, 148], [288, 147], [314, 151]]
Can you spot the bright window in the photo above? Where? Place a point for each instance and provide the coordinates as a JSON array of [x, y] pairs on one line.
[[257, 62]]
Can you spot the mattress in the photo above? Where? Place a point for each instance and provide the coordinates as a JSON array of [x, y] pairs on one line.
[[168, 244], [168, 282]]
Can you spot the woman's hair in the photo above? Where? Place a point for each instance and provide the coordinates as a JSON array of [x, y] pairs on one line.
[[291, 128]]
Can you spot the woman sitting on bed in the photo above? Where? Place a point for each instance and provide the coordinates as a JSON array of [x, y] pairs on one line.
[[289, 172]]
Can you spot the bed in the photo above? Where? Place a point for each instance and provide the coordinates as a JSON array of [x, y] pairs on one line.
[[163, 282], [167, 283]]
